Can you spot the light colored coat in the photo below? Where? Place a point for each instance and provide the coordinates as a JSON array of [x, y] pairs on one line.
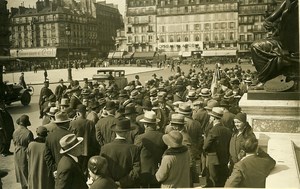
[[174, 171]]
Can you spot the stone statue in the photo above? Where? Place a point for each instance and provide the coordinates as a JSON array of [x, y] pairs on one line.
[[276, 58]]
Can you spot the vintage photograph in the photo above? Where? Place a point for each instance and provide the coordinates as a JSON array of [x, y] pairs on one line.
[[100, 94]]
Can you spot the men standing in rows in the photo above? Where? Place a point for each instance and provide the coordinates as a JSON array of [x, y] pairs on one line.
[[85, 128], [52, 155], [152, 148], [69, 173], [6, 130], [216, 146], [45, 93], [123, 157]]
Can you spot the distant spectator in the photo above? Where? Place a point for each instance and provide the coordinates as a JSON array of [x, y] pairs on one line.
[[22, 80]]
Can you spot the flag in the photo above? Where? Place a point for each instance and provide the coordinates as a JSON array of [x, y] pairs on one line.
[[214, 83]]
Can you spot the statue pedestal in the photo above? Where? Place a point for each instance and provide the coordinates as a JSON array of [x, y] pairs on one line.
[[272, 115]]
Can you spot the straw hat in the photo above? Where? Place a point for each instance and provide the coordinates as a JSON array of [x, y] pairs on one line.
[[149, 117], [216, 112], [177, 119], [184, 108], [69, 142], [61, 117]]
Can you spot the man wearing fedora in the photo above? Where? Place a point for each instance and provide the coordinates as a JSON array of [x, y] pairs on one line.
[[94, 108], [123, 157], [216, 146], [75, 99], [85, 128], [195, 131], [104, 134], [152, 148], [174, 170], [52, 155], [51, 125], [49, 115], [130, 113], [69, 173], [147, 106]]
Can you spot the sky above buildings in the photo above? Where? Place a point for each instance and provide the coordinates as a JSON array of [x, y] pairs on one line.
[[31, 3]]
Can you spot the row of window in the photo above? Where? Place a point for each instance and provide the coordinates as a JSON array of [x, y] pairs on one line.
[[230, 36]]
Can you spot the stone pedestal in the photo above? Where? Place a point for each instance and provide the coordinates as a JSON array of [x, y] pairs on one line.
[[281, 116]]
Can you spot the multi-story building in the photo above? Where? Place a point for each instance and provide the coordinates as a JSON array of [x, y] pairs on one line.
[[4, 31], [251, 17], [63, 29], [140, 25], [185, 26], [109, 20]]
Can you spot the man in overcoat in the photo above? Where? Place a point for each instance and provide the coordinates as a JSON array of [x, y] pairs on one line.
[[123, 158], [52, 147], [6, 130], [216, 146], [152, 148], [69, 173]]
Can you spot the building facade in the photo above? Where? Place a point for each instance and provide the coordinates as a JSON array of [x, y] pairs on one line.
[[60, 31], [4, 31], [140, 25], [251, 18], [184, 27]]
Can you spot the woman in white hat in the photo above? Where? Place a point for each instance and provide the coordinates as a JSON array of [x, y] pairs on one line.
[[174, 171]]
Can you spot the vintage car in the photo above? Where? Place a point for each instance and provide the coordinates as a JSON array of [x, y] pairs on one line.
[[108, 75], [15, 92]]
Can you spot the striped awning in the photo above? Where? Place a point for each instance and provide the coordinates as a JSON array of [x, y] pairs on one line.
[[144, 54], [110, 55], [118, 54]]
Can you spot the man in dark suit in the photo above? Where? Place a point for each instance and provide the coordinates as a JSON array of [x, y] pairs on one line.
[[104, 134], [52, 155], [75, 98], [69, 173], [60, 90], [152, 148], [45, 93], [85, 128], [216, 146], [123, 158], [252, 170]]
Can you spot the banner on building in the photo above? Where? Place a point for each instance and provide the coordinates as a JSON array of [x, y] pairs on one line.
[[33, 52]]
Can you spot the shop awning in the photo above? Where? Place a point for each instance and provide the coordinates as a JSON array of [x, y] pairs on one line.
[[129, 55], [118, 54], [172, 53], [219, 53], [110, 55], [144, 54]]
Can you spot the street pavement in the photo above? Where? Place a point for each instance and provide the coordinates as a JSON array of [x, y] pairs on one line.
[[32, 110]]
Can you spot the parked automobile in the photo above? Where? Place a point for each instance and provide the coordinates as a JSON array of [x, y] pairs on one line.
[[106, 75], [14, 92]]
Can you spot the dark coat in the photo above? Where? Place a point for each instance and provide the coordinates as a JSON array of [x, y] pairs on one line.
[[104, 134], [202, 116], [85, 128], [69, 174], [45, 92], [237, 141], [59, 91], [216, 146], [152, 148], [251, 171], [74, 102], [21, 137], [6, 128], [217, 142], [38, 171], [103, 183], [123, 162], [52, 155], [227, 120]]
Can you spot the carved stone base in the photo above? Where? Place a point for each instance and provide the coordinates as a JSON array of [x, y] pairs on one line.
[[272, 115]]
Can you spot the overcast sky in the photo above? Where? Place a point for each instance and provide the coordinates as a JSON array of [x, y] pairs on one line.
[[31, 3]]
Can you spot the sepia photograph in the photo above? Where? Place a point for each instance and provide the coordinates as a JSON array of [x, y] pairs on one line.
[[100, 94]]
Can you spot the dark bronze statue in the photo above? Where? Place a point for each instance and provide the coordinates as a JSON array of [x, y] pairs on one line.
[[276, 58]]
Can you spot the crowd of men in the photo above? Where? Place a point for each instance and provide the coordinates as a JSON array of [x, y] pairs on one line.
[[166, 133]]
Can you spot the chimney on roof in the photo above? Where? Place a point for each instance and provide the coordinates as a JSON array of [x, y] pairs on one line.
[[39, 6]]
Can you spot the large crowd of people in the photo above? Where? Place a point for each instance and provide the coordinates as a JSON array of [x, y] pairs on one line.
[[166, 133]]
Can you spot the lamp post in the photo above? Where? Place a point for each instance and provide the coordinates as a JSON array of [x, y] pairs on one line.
[[68, 34]]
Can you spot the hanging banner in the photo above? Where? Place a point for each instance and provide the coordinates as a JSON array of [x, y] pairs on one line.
[[33, 52]]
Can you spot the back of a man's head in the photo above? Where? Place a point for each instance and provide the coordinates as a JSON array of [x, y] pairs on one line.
[[250, 145]]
